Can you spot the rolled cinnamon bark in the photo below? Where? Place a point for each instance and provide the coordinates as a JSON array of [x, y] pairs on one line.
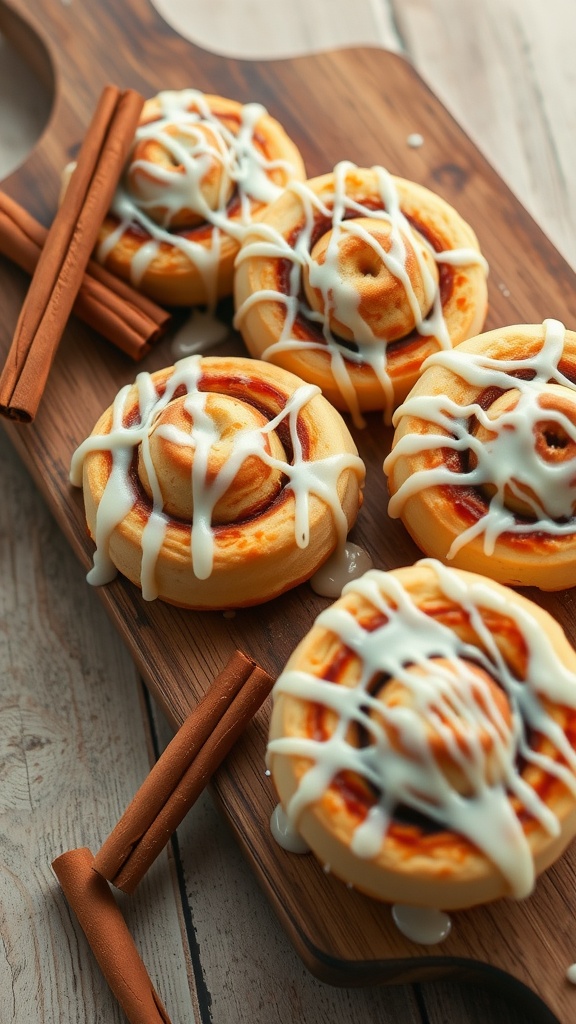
[[129, 320], [71, 238], [182, 772], [105, 928]]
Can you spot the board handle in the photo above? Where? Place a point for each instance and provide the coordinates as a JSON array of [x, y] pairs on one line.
[[425, 970]]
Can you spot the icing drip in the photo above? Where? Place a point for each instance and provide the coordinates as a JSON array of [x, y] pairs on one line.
[[344, 564], [200, 332], [351, 219], [532, 485], [420, 924], [200, 433], [285, 834], [202, 147], [449, 725]]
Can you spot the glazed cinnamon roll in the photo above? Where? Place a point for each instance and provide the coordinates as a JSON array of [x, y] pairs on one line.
[[201, 170], [217, 483], [423, 738], [353, 279], [483, 465]]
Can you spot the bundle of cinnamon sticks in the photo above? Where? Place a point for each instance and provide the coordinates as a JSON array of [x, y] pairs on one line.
[[125, 317], [63, 277], [159, 806]]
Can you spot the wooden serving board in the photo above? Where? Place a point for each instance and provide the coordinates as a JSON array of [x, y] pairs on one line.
[[360, 105]]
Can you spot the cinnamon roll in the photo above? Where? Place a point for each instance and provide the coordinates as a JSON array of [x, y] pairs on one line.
[[423, 735], [217, 483], [201, 170], [353, 278], [483, 465]]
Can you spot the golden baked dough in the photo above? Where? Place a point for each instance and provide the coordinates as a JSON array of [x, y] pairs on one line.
[[483, 464], [217, 483], [355, 277], [422, 738], [201, 170]]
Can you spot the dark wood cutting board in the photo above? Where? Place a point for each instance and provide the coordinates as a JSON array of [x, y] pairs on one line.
[[359, 105]]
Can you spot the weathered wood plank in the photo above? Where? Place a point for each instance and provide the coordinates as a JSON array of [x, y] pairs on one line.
[[250, 969], [73, 749], [85, 674], [506, 72]]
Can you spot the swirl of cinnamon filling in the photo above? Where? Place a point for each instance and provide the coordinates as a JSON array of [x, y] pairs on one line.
[[483, 465], [423, 738], [217, 483], [201, 170], [353, 278]]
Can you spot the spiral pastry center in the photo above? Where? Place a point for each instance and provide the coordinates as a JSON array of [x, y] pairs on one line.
[[429, 697], [179, 174], [483, 460], [534, 437], [218, 482], [553, 442], [456, 713], [352, 283], [207, 450], [372, 282], [202, 169]]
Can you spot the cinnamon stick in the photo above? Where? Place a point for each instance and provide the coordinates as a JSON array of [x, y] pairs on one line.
[[105, 928], [129, 320], [182, 772], [69, 243]]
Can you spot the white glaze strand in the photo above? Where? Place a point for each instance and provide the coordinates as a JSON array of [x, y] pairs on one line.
[[318, 477], [241, 163], [433, 664], [507, 458], [341, 210]]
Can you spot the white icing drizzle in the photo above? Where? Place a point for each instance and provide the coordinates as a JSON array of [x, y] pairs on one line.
[[507, 460], [304, 478], [241, 162], [344, 564], [422, 924], [336, 208], [434, 666], [285, 834]]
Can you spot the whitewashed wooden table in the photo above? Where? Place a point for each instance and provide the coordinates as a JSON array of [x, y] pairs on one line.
[[77, 729]]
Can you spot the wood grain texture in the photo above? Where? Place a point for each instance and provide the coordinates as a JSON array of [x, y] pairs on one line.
[[340, 72], [62, 692]]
